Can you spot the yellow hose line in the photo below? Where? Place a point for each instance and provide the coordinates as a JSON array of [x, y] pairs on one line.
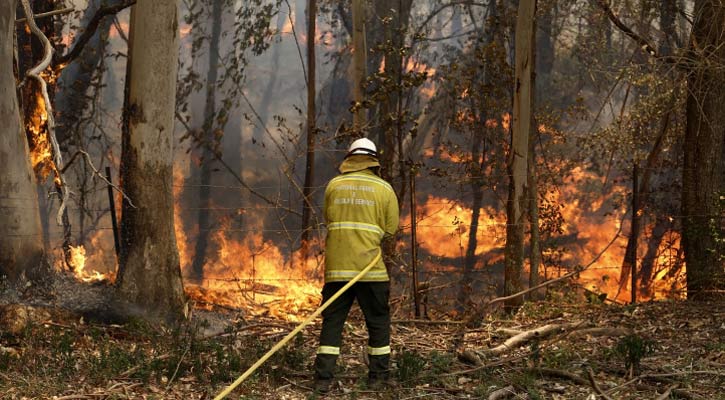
[[297, 330]]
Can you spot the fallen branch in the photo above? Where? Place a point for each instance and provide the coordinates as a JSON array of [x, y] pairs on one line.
[[425, 322], [558, 373], [524, 337], [484, 366], [666, 394], [476, 314], [594, 384], [502, 393], [508, 331]]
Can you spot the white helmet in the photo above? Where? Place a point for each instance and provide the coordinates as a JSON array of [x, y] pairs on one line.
[[363, 146]]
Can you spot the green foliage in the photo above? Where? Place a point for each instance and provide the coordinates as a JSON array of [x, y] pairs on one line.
[[410, 365], [632, 349], [440, 362], [556, 357], [527, 382]]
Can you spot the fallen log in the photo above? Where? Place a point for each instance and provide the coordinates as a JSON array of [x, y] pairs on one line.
[[526, 336]]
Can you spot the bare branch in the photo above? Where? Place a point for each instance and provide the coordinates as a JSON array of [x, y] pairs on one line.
[[643, 43], [47, 14], [90, 31], [594, 384], [236, 176], [99, 174], [34, 73]]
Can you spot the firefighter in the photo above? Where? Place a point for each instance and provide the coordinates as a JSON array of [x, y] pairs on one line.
[[361, 209]]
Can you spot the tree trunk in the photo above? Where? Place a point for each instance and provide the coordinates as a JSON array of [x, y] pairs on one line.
[[311, 127], [390, 134], [649, 260], [545, 51], [207, 143], [149, 277], [469, 263], [359, 59], [21, 239], [668, 12], [75, 78], [521, 126], [643, 191], [533, 206], [703, 174]]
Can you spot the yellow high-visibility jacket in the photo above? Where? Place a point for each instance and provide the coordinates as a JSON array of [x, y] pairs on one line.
[[360, 209]]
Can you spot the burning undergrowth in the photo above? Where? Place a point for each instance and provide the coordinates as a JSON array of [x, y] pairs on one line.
[[252, 264]]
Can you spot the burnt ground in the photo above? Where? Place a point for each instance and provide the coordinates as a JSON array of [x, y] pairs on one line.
[[654, 350]]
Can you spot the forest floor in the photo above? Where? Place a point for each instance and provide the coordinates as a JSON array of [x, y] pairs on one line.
[[561, 349]]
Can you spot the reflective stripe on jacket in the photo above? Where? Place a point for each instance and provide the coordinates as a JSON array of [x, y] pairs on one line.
[[360, 209]]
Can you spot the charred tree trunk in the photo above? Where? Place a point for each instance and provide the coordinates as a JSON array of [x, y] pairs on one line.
[[533, 208], [21, 239], [207, 143], [478, 152], [149, 276], [358, 64], [668, 12], [521, 127], [311, 127], [75, 78], [650, 258], [703, 173], [469, 263], [642, 203], [545, 47], [397, 16]]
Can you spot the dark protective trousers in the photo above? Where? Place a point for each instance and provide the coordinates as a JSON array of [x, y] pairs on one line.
[[372, 297]]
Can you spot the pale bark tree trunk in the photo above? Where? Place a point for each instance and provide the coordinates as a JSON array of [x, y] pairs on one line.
[[703, 180], [207, 143], [149, 277], [359, 60], [311, 127], [523, 107], [21, 240]]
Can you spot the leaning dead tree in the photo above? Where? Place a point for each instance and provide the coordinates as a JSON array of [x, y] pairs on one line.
[[35, 75]]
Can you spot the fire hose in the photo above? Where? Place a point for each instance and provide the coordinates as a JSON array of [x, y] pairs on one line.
[[297, 330]]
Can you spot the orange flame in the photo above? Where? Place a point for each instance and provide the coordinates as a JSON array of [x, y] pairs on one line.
[[252, 273], [41, 157], [78, 261]]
